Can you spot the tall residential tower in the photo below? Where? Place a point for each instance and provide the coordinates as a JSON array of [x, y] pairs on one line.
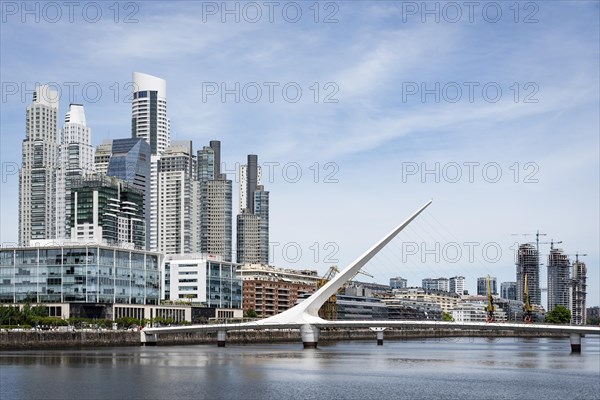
[[215, 228], [528, 264], [36, 177], [149, 121], [559, 279], [253, 219], [76, 160]]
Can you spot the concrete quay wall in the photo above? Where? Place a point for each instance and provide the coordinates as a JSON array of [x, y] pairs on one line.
[[34, 340]]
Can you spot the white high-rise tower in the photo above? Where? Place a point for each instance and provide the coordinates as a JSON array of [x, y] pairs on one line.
[[149, 121], [36, 178], [76, 159]]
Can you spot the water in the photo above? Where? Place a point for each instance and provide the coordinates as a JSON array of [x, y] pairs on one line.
[[468, 368]]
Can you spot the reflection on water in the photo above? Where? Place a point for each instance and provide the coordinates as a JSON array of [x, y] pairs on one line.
[[469, 368]]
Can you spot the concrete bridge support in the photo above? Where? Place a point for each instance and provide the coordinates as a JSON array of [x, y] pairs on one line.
[[575, 343], [380, 338], [310, 336], [221, 338], [379, 332], [148, 339]]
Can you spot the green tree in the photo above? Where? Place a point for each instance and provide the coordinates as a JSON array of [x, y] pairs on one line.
[[447, 317], [559, 315], [593, 321], [251, 313]]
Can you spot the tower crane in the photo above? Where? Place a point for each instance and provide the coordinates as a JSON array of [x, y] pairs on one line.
[[490, 308], [551, 243]]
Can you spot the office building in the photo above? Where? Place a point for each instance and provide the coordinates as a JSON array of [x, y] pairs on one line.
[[37, 191], [527, 263], [398, 283], [202, 279], [75, 160], [482, 286], [508, 290], [215, 228], [79, 273], [457, 285], [177, 218], [442, 284], [106, 210], [579, 293], [130, 162], [559, 279], [149, 121], [253, 220]]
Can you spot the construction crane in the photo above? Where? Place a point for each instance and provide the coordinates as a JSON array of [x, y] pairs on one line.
[[527, 308], [551, 243], [537, 241], [329, 309], [490, 303]]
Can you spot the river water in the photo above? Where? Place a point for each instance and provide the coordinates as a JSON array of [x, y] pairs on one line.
[[467, 368]]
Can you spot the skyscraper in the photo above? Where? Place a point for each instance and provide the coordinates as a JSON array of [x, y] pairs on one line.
[[36, 177], [253, 220], [176, 185], [559, 279], [149, 112], [76, 159], [482, 286], [243, 188], [528, 265], [215, 228], [149, 121], [130, 162], [579, 293]]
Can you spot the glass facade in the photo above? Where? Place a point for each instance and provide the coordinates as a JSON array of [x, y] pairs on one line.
[[223, 286], [85, 274], [130, 162]]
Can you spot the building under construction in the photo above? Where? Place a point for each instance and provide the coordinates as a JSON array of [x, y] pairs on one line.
[[579, 289], [528, 265], [559, 279]]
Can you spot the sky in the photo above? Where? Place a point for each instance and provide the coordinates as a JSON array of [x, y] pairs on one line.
[[360, 112]]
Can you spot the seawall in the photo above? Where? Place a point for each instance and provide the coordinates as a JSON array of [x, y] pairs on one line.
[[34, 340]]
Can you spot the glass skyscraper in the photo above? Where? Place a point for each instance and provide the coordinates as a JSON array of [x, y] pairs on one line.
[[130, 162]]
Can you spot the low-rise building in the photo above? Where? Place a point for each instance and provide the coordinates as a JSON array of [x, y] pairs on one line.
[[446, 300], [475, 312], [269, 290]]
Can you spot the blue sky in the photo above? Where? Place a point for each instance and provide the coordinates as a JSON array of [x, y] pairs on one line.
[[380, 63]]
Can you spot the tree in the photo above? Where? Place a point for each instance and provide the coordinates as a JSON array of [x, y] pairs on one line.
[[559, 315], [447, 317], [593, 321], [251, 313]]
